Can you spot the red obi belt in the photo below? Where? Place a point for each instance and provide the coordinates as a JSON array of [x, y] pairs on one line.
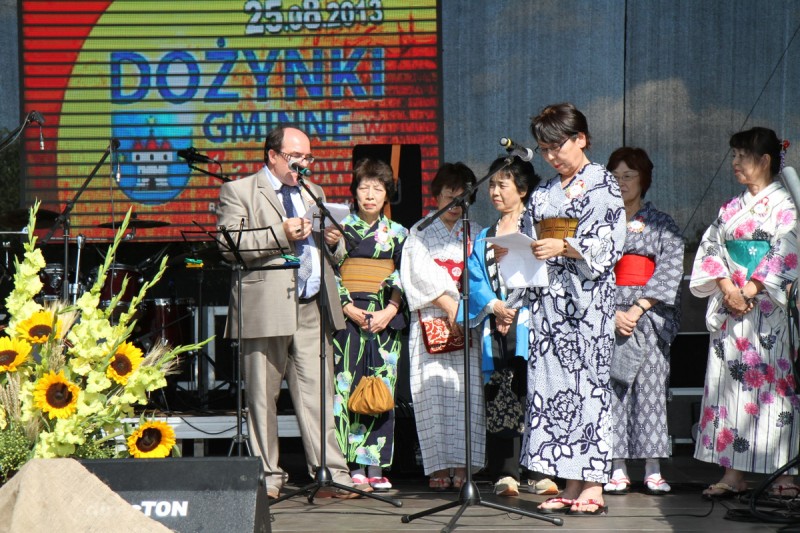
[[634, 269]]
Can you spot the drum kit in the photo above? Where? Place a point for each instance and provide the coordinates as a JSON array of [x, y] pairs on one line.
[[169, 321]]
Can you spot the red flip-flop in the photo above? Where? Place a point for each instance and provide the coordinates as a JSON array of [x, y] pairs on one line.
[[566, 503]]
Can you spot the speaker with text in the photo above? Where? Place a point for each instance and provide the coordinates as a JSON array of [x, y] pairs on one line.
[[192, 493]]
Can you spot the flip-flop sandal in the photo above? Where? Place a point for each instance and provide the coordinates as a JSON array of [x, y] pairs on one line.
[[655, 485], [726, 492], [601, 510], [789, 491], [439, 483], [617, 486], [564, 509]]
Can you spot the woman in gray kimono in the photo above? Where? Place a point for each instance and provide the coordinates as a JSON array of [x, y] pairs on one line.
[[647, 319]]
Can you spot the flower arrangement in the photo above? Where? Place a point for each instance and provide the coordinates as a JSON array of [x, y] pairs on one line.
[[69, 376]]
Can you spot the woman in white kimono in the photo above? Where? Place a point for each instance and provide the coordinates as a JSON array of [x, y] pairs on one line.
[[432, 260], [745, 261]]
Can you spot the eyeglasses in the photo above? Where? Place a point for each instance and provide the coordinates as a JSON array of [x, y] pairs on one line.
[[554, 150], [296, 158], [628, 176]]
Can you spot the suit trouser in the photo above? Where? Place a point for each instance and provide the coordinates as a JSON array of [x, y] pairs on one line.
[[267, 361]]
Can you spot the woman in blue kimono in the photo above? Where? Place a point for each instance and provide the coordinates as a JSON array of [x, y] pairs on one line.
[[504, 330]]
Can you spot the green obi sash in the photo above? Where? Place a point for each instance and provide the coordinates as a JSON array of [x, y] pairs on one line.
[[747, 253]]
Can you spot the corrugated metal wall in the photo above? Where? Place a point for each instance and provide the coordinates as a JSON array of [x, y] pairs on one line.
[[674, 77]]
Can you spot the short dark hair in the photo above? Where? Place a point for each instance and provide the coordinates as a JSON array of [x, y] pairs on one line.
[[759, 141], [556, 122], [521, 172], [455, 176], [274, 139], [638, 160], [367, 168]]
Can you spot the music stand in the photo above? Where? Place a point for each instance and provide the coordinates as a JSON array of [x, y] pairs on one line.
[[469, 494], [322, 476], [228, 245]]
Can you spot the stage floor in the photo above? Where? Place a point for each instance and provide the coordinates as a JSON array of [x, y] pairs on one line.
[[682, 510]]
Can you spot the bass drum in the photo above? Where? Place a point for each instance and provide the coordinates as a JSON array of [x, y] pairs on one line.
[[166, 321], [112, 285]]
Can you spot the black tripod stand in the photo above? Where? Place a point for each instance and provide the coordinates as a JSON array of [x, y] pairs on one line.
[[469, 494], [322, 476]]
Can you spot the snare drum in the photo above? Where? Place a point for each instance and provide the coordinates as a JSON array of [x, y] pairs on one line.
[[113, 282], [168, 321], [52, 277]]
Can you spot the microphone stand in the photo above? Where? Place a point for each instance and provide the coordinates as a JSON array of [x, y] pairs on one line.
[[322, 476], [220, 176], [469, 494], [63, 219], [16, 132]]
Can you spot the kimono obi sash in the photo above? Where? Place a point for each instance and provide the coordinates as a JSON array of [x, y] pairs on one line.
[[634, 269], [747, 253], [365, 275], [453, 268], [557, 228]]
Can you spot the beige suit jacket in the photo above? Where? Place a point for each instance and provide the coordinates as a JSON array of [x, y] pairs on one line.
[[269, 297]]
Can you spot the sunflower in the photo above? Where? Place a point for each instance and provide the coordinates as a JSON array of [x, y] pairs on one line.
[[124, 362], [55, 395], [38, 327], [13, 352], [152, 440]]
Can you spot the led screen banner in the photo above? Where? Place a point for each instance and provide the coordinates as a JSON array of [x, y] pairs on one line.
[[216, 76]]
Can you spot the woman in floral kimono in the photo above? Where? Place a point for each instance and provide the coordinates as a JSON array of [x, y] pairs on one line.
[[369, 345], [745, 261], [433, 261], [648, 276], [581, 230]]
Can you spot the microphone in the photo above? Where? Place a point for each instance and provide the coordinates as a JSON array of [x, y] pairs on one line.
[[113, 146], [523, 152], [191, 155], [792, 183], [37, 117], [301, 171]]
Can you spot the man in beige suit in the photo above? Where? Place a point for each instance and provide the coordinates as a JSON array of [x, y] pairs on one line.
[[280, 308]]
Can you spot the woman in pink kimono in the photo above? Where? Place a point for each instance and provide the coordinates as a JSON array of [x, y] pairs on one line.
[[745, 261]]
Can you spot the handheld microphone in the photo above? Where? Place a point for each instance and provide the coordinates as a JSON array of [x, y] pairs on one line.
[[523, 152], [191, 155], [301, 171]]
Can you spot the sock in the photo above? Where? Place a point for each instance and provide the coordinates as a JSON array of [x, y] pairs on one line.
[[619, 469], [374, 471], [652, 466]]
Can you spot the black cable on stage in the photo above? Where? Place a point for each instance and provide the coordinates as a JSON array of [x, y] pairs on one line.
[[746, 118]]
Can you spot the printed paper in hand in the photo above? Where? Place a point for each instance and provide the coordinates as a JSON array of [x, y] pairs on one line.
[[338, 213], [519, 267]]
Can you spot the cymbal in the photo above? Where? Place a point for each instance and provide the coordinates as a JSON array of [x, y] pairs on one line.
[[136, 223], [18, 218]]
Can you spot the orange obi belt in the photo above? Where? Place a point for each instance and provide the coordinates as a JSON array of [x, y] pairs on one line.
[[365, 275], [634, 269], [557, 228]]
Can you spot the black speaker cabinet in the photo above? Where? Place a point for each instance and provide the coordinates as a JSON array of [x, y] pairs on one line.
[[192, 493]]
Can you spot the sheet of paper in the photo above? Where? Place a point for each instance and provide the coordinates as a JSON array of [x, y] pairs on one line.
[[338, 213], [519, 267]]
